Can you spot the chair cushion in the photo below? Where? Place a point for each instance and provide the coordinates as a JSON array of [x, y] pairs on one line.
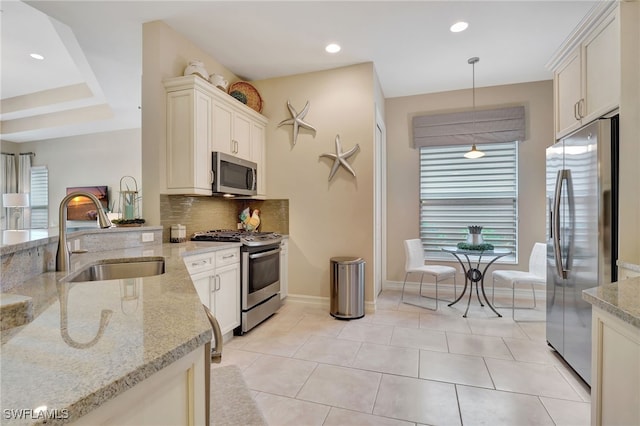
[[435, 270], [518, 277]]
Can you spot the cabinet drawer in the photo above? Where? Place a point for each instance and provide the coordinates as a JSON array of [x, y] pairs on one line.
[[227, 257], [200, 262]]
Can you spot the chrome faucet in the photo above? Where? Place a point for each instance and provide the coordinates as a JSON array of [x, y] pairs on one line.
[[64, 254]]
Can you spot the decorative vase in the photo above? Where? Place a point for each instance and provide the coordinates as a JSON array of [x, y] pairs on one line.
[[129, 210], [197, 68], [475, 235]]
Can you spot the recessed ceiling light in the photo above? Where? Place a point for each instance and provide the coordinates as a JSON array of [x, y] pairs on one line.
[[37, 56], [332, 48], [458, 27]]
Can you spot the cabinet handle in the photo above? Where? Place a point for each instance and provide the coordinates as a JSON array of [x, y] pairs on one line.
[[581, 108], [575, 111], [228, 256], [235, 146], [199, 263], [218, 280]]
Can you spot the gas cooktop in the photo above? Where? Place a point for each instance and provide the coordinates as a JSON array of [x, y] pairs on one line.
[[244, 237]]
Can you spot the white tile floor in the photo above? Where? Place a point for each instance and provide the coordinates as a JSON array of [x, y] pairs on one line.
[[404, 365]]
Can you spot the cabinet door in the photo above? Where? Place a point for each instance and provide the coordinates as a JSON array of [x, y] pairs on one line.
[[188, 138], [568, 93], [241, 138], [204, 284], [227, 297], [258, 155], [222, 130], [601, 56]]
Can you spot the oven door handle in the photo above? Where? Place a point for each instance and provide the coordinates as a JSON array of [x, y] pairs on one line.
[[263, 254]]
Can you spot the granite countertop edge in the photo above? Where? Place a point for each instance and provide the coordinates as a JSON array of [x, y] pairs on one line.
[[176, 277], [621, 299]]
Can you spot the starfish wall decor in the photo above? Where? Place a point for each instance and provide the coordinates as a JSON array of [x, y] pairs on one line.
[[340, 158], [297, 120]]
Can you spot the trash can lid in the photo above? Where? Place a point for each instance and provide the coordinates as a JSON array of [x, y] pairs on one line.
[[347, 259]]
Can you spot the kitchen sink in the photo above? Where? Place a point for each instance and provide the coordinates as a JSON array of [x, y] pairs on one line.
[[117, 269]]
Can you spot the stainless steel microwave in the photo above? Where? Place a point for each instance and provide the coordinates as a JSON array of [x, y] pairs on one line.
[[232, 175]]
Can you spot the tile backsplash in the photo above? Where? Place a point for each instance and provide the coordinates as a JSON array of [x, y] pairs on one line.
[[206, 213]]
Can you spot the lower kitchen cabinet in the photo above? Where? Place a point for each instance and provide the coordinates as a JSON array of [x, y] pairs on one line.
[[284, 268], [216, 277], [225, 298], [176, 395], [615, 371]]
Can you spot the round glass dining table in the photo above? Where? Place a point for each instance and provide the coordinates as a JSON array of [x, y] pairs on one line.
[[474, 272]]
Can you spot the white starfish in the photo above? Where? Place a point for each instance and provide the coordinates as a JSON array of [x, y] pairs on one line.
[[340, 158], [297, 120]]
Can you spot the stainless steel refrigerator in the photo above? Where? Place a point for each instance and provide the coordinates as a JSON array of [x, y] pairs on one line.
[[581, 234]]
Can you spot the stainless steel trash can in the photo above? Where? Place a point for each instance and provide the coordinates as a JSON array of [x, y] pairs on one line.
[[347, 287]]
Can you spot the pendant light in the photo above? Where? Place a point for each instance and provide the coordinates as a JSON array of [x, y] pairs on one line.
[[474, 152]]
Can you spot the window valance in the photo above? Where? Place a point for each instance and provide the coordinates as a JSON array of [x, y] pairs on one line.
[[462, 128]]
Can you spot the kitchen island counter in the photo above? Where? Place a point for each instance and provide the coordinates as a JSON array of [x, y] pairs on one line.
[[89, 342], [621, 299], [615, 366]]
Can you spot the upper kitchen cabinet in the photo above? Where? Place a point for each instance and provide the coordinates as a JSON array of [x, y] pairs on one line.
[[232, 131], [188, 141], [200, 119], [587, 71]]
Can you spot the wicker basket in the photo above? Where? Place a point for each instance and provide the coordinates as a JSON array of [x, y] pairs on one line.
[[254, 101]]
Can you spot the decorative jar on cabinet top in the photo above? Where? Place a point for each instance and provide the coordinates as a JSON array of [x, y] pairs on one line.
[[196, 67]]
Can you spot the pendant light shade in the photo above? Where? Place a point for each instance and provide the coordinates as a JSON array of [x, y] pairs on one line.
[[474, 153]]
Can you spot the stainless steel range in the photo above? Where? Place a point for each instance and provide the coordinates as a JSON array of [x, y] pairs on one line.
[[260, 277]]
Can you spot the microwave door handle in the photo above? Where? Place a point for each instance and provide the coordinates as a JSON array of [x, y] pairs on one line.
[[255, 180]]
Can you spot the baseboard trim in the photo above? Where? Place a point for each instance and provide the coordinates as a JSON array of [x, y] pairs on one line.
[[324, 302], [521, 293]]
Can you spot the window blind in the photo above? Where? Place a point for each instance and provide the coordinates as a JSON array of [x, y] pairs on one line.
[[500, 125], [456, 192], [39, 197]]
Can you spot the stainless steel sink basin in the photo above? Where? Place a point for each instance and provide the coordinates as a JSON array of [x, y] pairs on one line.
[[117, 269]]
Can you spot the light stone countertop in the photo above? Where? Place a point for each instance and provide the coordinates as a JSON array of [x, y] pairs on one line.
[[152, 322], [621, 299]]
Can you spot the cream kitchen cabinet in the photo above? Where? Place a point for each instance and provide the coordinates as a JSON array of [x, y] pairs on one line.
[[258, 155], [216, 277], [188, 169], [231, 131], [284, 268], [615, 371], [200, 119], [587, 75]]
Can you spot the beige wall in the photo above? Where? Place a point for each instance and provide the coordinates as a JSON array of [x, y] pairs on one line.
[[87, 160], [326, 219], [403, 162], [629, 218], [165, 54]]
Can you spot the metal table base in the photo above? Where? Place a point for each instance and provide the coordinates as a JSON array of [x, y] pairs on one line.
[[474, 275]]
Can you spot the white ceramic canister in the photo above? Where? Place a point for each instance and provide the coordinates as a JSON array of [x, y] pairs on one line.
[[196, 67], [178, 234], [219, 81]]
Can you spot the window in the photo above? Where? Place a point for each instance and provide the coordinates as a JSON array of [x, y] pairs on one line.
[[39, 197], [456, 192]]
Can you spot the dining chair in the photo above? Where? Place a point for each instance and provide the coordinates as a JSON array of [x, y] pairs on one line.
[[414, 263], [535, 276]]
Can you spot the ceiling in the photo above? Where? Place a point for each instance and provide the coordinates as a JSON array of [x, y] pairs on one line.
[[90, 78]]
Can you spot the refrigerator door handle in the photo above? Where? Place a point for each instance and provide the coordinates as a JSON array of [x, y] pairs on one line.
[[572, 228], [557, 251]]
